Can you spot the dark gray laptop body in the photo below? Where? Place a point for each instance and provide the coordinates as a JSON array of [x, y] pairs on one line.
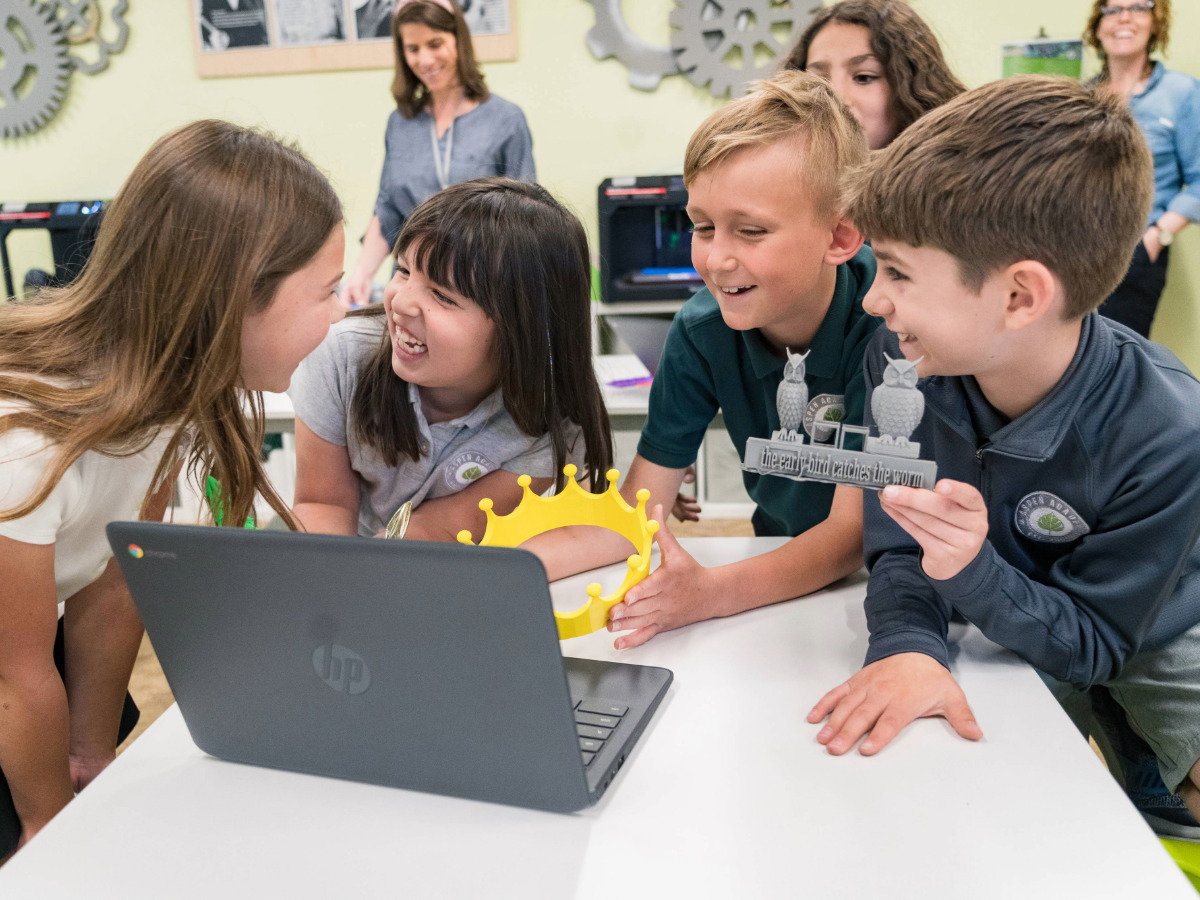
[[433, 667]]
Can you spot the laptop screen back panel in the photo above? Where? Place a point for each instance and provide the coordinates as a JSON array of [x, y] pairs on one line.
[[433, 667]]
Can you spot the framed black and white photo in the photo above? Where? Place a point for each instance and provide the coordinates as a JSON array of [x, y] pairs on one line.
[[262, 37]]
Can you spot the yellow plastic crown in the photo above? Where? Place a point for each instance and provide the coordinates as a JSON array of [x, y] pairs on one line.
[[573, 505]]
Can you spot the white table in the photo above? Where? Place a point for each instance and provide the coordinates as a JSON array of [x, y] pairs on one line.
[[727, 795], [627, 406]]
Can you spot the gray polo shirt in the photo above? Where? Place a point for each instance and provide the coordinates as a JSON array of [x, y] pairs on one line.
[[491, 139], [454, 453]]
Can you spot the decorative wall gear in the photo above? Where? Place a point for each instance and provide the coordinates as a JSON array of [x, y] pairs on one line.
[[611, 36], [34, 77], [574, 506], [79, 19], [82, 21], [706, 32]]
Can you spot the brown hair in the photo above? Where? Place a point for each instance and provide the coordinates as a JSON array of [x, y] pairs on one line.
[[518, 254], [209, 223], [1160, 33], [791, 105], [1032, 167], [410, 92], [905, 46]]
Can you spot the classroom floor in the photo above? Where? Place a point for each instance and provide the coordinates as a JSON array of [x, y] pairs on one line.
[[149, 686]]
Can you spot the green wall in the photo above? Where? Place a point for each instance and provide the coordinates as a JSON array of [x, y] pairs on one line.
[[587, 122]]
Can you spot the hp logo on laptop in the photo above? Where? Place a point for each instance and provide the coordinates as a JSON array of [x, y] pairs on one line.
[[341, 668]]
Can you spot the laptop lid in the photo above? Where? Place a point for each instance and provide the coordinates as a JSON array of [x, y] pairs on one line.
[[434, 667]]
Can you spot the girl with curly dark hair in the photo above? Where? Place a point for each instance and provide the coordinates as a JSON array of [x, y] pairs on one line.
[[883, 61]]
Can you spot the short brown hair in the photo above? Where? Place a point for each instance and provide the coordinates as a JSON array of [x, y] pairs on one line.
[[905, 46], [790, 105], [1160, 33], [1033, 167], [410, 92]]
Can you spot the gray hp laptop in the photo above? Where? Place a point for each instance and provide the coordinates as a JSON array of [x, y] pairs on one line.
[[434, 667]]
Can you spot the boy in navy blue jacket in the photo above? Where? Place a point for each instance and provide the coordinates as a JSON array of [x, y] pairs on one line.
[[1065, 521]]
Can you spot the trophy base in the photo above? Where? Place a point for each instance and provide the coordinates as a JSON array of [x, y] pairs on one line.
[[835, 465]]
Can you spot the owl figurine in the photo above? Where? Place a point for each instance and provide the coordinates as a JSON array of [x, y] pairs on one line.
[[896, 404], [791, 397]]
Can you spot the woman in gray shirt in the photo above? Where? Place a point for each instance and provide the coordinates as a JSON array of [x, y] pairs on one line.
[[447, 128]]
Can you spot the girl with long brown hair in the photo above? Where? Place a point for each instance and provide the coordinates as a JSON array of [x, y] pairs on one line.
[[476, 369], [447, 128], [212, 277], [883, 60]]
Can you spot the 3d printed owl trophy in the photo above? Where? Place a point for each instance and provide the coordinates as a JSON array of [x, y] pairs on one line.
[[573, 505], [891, 458]]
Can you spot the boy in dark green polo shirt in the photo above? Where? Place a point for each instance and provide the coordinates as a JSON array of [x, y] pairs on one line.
[[783, 270]]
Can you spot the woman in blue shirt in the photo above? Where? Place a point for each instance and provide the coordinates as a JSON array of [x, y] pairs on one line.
[[1166, 105], [446, 128]]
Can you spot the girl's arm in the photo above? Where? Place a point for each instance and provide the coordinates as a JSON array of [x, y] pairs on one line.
[[326, 486], [442, 519], [33, 702], [102, 634]]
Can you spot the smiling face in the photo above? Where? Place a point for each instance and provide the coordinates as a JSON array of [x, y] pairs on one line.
[[842, 54], [757, 241], [432, 56], [1128, 33], [276, 340], [440, 339], [920, 295]]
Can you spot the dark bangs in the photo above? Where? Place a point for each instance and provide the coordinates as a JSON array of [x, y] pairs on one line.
[[519, 255]]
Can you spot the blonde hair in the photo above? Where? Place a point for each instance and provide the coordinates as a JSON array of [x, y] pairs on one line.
[[1033, 167], [148, 338], [792, 105]]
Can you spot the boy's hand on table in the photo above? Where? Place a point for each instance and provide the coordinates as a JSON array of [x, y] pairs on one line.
[[886, 696], [950, 523], [679, 592], [84, 769], [687, 507]]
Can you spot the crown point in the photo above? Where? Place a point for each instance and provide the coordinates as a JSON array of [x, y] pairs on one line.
[[652, 526], [570, 469], [635, 561], [612, 475], [524, 481], [464, 537], [486, 504], [643, 495], [594, 589]]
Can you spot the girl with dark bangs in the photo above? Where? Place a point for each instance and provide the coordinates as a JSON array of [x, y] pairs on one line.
[[476, 369], [883, 61]]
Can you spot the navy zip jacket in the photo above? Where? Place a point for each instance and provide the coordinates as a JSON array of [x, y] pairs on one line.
[[1093, 501]]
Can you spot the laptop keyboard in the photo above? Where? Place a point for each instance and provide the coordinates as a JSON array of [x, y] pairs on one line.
[[595, 720]]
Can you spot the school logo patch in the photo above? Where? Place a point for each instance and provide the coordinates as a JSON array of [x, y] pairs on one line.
[[1041, 516], [466, 468], [821, 416]]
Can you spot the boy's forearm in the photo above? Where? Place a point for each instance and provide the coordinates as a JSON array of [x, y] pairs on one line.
[[807, 563], [33, 745], [102, 633]]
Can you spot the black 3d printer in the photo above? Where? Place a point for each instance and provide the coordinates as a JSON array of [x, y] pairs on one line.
[[645, 255], [72, 225], [645, 240]]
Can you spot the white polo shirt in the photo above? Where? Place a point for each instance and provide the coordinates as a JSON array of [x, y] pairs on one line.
[[94, 491]]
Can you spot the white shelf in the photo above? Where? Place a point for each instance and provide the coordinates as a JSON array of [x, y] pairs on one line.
[[638, 307]]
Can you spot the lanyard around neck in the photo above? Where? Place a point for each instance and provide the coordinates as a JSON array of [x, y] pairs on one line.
[[442, 166]]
